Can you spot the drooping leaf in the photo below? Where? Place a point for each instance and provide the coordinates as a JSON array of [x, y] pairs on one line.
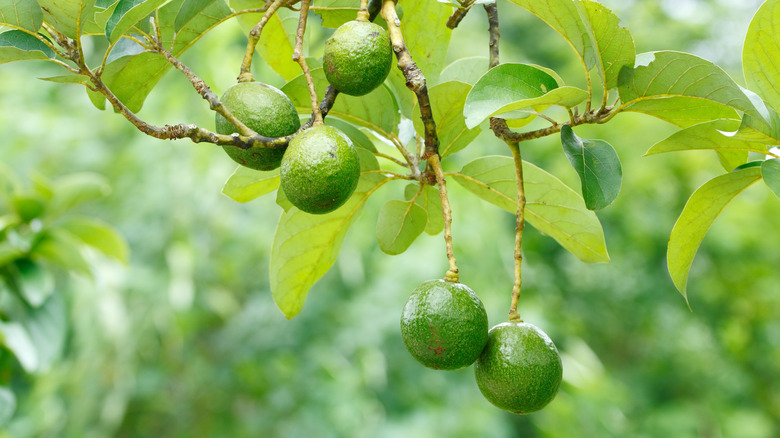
[[665, 74], [429, 201], [597, 165], [67, 16], [398, 225], [246, 184], [510, 87], [701, 210], [770, 171], [305, 246], [17, 45], [21, 14], [376, 110], [126, 14], [551, 206], [276, 45], [98, 235], [614, 46], [760, 57], [447, 102]]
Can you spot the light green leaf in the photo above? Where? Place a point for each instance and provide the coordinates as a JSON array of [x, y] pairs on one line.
[[98, 235], [75, 189], [614, 44], [21, 14], [17, 45], [61, 248], [68, 79], [760, 57], [127, 13], [276, 45], [334, 13], [7, 405], [770, 171], [359, 138], [191, 27], [706, 203], [683, 111], [67, 16], [305, 246], [131, 78], [96, 24], [189, 10], [376, 110], [551, 206], [398, 225], [246, 184], [467, 70], [511, 87], [447, 101], [38, 337], [430, 201], [426, 38], [674, 74], [597, 165]]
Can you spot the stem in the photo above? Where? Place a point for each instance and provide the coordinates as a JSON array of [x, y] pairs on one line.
[[363, 14], [492, 13], [245, 75], [502, 131], [520, 225], [435, 163], [301, 60], [459, 15]]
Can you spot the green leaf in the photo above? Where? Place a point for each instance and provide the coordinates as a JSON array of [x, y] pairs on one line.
[[28, 206], [7, 405], [305, 246], [511, 87], [427, 42], [706, 203], [61, 248], [276, 45], [96, 24], [376, 110], [17, 45], [67, 16], [246, 184], [683, 111], [189, 10], [38, 337], [76, 189], [551, 206], [334, 13], [718, 135], [359, 138], [447, 101], [597, 165], [37, 283], [430, 201], [68, 79], [191, 27], [398, 225], [760, 57], [665, 74], [131, 78], [98, 235], [21, 14], [467, 70], [126, 14], [770, 171], [614, 44]]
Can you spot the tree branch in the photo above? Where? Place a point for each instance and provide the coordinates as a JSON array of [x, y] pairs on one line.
[[492, 13]]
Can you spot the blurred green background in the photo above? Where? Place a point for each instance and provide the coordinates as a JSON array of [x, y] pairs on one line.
[[185, 340]]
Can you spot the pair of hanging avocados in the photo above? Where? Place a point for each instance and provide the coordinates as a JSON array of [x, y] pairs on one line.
[[320, 168]]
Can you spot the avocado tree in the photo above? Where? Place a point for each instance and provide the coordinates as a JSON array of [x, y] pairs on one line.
[[367, 125]]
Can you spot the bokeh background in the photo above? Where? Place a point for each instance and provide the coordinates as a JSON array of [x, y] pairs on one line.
[[185, 340]]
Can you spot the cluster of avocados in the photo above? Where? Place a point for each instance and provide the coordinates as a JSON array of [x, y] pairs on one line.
[[320, 168]]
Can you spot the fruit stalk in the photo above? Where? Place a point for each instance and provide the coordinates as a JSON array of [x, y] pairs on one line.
[[492, 13], [301, 60], [435, 163], [245, 74], [519, 227], [415, 80]]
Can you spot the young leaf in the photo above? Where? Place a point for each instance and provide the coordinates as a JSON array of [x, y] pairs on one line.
[[614, 44], [17, 45], [597, 165], [430, 201], [551, 206], [770, 171], [67, 16], [126, 14], [760, 57], [398, 225], [447, 102], [21, 14], [510, 87], [305, 246], [246, 184], [706, 203], [98, 235], [665, 74]]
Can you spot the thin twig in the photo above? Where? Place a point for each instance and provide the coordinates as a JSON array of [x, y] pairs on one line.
[[519, 226], [245, 75], [391, 158], [301, 60], [435, 164], [502, 131]]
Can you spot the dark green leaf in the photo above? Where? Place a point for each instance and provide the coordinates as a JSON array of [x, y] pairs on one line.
[[597, 165], [16, 45], [28, 206], [770, 171], [21, 14], [37, 283], [551, 206], [447, 101], [706, 203], [398, 225]]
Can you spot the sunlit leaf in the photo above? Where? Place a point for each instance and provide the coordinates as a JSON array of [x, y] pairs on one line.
[[98, 235], [334, 13], [276, 44], [760, 57], [551, 206], [683, 111], [614, 46], [427, 43], [67, 16], [598, 166], [701, 210], [398, 225], [447, 102], [510, 87], [246, 184], [17, 45], [21, 14], [770, 171]]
